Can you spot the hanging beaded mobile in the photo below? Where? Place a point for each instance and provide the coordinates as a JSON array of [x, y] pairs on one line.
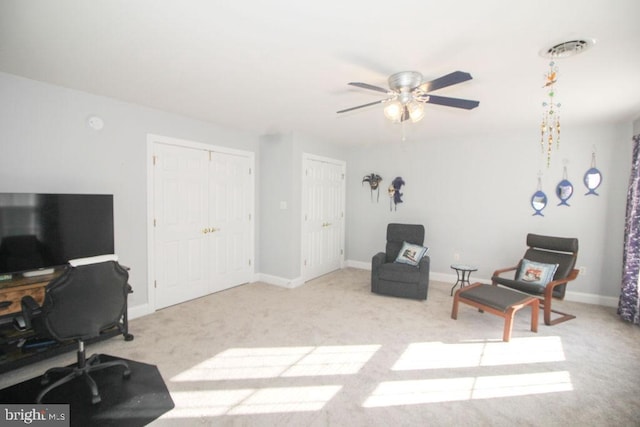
[[550, 126]]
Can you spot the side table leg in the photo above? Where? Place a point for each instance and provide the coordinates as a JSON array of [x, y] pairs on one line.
[[454, 286], [466, 276], [458, 280]]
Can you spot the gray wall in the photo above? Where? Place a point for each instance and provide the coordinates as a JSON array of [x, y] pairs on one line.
[[473, 197], [280, 180], [46, 146], [275, 185], [471, 194]]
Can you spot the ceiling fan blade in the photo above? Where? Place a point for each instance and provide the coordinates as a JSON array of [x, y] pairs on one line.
[[364, 105], [368, 86], [444, 81], [467, 104]]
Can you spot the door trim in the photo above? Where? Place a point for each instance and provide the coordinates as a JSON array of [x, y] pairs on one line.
[[303, 239], [159, 139]]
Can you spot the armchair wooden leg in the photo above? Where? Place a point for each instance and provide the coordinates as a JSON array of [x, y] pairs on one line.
[[547, 315]]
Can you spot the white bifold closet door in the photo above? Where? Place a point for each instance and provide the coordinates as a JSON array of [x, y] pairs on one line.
[[323, 193], [203, 240]]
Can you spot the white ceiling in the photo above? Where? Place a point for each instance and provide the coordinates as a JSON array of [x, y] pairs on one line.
[[283, 65]]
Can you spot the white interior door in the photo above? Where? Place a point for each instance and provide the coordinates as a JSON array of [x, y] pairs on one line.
[[230, 178], [180, 216], [323, 216], [203, 227]]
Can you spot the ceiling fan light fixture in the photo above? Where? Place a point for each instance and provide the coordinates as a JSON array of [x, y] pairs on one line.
[[416, 111], [393, 111], [408, 92]]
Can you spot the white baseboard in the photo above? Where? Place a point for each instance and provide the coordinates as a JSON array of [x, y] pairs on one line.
[[591, 299], [280, 281], [139, 311], [145, 309], [447, 277], [358, 264]]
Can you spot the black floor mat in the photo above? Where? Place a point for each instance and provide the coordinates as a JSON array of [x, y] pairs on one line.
[[129, 402]]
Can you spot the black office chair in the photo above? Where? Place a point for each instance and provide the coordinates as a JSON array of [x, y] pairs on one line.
[[88, 298]]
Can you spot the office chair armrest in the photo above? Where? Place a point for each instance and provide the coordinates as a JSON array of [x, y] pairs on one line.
[[30, 309]]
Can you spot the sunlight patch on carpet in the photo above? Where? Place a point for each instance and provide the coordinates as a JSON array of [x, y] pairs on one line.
[[438, 355], [273, 362], [209, 403], [413, 392]]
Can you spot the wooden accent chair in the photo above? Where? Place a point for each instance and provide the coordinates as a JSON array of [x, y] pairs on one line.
[[544, 271]]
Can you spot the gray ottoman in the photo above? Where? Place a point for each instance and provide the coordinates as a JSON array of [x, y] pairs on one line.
[[502, 302]]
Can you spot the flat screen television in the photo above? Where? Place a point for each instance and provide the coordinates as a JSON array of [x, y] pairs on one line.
[[45, 231]]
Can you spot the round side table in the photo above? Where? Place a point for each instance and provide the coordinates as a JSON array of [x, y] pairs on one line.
[[463, 272]]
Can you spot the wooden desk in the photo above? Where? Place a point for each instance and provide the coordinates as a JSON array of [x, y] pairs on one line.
[[12, 291]]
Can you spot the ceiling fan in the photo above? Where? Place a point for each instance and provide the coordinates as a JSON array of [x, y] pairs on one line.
[[408, 93]]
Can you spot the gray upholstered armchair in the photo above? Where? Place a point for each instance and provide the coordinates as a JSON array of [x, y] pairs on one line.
[[401, 279]]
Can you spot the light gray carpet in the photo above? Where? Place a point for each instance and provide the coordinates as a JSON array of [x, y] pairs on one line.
[[331, 353]]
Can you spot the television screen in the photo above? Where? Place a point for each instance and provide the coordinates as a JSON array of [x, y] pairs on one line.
[[47, 230]]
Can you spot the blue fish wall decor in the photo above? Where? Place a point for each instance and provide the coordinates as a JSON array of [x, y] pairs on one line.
[[592, 178], [538, 202], [564, 191]]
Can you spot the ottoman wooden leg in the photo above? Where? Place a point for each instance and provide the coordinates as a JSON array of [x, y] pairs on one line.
[[454, 308], [535, 309], [508, 324]]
